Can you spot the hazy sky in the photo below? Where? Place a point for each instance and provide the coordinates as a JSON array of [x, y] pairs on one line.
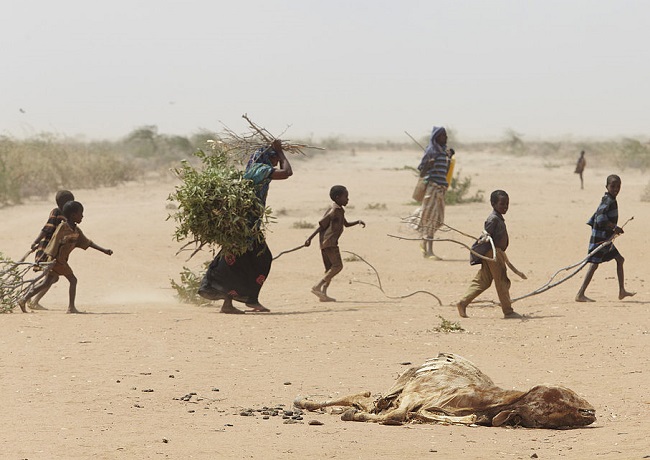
[[354, 69]]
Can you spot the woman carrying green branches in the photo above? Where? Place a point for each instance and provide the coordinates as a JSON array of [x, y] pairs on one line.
[[240, 278]]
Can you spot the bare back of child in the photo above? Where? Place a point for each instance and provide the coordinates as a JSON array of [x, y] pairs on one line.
[[330, 228]]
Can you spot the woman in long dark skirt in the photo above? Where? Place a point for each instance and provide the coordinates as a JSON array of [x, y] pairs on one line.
[[240, 278]]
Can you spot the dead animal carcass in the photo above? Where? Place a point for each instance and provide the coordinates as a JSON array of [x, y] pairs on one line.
[[450, 389]]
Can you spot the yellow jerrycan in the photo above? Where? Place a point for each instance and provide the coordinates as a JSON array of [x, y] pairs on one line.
[[450, 171]]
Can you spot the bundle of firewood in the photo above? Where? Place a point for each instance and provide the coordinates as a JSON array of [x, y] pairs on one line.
[[216, 206], [17, 278]]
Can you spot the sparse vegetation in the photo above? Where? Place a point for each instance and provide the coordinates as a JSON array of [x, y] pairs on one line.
[[38, 166], [633, 154], [645, 196], [188, 286], [458, 190], [448, 326], [44, 164], [376, 206], [351, 258], [303, 224], [552, 165], [514, 143]]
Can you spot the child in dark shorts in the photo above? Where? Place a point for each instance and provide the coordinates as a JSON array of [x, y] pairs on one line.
[[329, 230], [603, 227]]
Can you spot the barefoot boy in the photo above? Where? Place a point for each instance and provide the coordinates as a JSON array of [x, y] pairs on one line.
[[330, 229], [495, 226], [603, 227], [44, 237], [66, 237]]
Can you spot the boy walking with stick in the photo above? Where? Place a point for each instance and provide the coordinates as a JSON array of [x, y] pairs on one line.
[[330, 229], [603, 227]]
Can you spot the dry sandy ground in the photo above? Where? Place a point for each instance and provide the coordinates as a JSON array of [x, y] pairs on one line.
[[110, 384]]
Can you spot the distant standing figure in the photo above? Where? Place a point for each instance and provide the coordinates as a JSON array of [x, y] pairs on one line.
[[44, 237], [330, 228], [603, 227], [580, 167], [434, 168], [67, 236], [496, 271]]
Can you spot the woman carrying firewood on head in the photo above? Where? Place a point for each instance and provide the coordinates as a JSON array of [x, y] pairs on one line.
[[240, 278]]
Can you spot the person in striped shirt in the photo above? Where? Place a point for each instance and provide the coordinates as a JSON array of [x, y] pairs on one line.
[[603, 228], [434, 167]]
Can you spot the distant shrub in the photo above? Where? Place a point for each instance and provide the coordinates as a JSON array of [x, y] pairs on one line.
[[303, 224], [145, 143], [458, 190], [514, 143], [645, 196], [39, 166], [634, 154], [376, 206]]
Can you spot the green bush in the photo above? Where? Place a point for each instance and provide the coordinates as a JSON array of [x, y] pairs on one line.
[[448, 326], [188, 287], [458, 190]]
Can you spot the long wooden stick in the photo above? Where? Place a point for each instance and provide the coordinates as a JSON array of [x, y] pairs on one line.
[[413, 139], [382, 289], [259, 131], [290, 250], [480, 256], [550, 284]]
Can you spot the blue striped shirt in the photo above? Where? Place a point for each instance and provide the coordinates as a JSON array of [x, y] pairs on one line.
[[602, 228], [434, 166]]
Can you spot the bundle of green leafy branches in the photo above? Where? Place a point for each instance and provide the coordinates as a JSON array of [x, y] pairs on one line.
[[188, 286], [216, 206]]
